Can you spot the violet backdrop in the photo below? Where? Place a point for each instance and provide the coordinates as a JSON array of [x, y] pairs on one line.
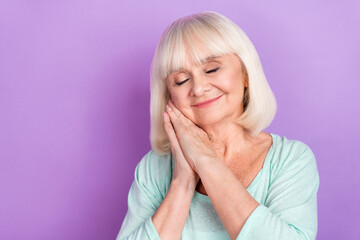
[[74, 104]]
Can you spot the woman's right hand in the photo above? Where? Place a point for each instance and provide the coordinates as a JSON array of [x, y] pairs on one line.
[[182, 169]]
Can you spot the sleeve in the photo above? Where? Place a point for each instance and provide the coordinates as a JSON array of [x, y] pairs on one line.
[[143, 200], [290, 210]]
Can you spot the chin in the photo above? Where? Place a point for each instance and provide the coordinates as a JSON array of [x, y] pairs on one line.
[[204, 121]]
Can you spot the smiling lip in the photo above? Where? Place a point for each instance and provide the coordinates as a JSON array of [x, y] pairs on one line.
[[206, 103]]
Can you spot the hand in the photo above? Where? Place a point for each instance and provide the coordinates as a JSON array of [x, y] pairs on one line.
[[182, 169], [194, 141]]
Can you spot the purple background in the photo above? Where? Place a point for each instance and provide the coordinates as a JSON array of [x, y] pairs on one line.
[[74, 104]]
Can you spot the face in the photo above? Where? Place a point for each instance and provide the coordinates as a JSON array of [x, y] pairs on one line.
[[211, 92]]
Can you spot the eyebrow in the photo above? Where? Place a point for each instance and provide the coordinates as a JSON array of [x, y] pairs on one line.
[[202, 61], [210, 58]]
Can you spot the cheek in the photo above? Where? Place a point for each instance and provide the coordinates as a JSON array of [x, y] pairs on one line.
[[179, 103], [236, 80], [234, 83], [178, 98]]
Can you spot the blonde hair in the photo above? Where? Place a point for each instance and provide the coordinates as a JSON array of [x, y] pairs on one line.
[[196, 37]]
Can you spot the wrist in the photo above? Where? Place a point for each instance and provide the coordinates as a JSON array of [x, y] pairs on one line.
[[185, 182], [204, 162]]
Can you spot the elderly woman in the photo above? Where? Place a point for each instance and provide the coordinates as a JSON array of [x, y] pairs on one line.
[[213, 173]]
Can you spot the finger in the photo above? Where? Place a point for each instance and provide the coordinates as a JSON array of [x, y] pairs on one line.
[[171, 133], [175, 120], [174, 108], [179, 115], [179, 124]]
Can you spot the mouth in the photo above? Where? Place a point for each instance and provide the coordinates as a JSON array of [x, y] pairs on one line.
[[207, 103]]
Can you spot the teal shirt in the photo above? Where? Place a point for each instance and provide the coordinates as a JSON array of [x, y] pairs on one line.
[[286, 189]]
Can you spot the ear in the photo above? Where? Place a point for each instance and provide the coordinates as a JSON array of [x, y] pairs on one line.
[[246, 81], [168, 95]]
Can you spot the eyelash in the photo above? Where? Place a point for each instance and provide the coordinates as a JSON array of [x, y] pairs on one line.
[[210, 71]]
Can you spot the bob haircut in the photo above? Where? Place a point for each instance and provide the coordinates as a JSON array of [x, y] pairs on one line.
[[196, 37]]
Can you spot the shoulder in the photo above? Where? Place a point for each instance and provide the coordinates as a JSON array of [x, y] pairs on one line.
[[155, 163], [154, 171], [292, 155]]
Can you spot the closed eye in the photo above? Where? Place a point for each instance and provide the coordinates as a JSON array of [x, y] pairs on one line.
[[213, 70], [180, 83], [210, 71]]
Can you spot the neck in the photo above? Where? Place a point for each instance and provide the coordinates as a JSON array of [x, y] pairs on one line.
[[229, 139]]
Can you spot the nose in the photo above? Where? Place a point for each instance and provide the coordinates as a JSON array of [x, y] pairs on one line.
[[200, 86]]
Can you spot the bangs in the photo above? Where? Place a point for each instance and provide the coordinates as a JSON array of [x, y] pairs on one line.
[[194, 43]]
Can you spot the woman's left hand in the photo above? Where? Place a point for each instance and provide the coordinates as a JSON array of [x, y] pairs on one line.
[[193, 140]]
